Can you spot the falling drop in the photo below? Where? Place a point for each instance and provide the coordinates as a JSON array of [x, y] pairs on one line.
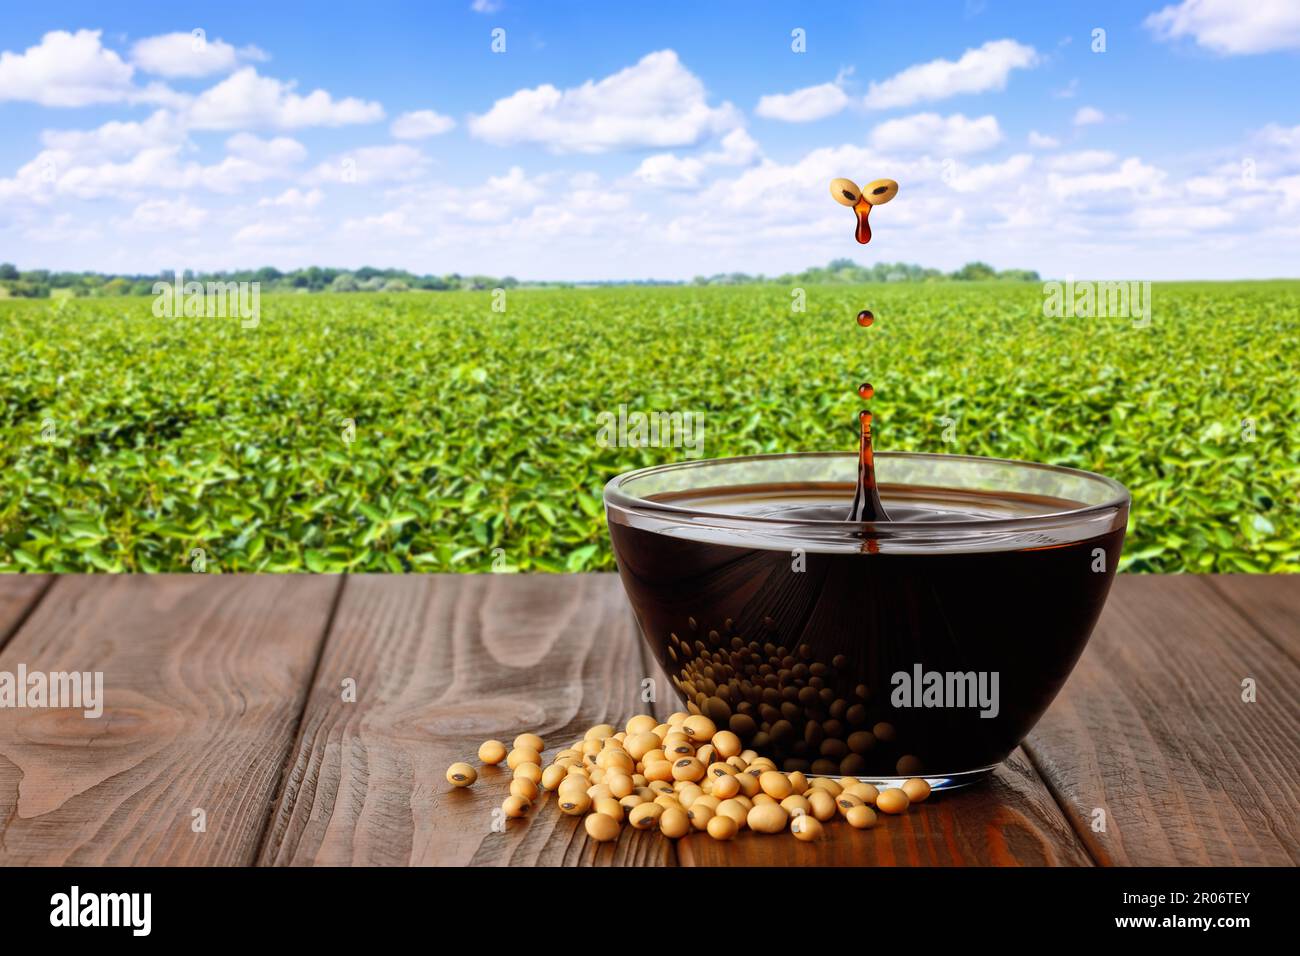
[[863, 233], [865, 318], [865, 391], [866, 499]]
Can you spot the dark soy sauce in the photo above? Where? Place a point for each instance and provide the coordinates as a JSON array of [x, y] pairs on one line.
[[796, 652], [863, 232], [866, 498]]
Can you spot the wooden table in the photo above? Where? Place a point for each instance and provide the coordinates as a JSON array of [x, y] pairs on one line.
[[226, 706]]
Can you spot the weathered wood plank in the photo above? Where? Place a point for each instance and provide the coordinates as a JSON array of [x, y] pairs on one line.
[[1269, 601], [19, 593], [1011, 820], [442, 663], [204, 678], [1152, 730]]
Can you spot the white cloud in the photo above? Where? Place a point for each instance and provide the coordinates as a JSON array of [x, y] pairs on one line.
[[380, 226], [1068, 91], [977, 71], [935, 134], [655, 103], [670, 171], [280, 151], [276, 231], [1231, 26], [185, 55], [421, 124], [89, 165], [737, 148], [485, 6], [1181, 218], [245, 100], [166, 215], [805, 105], [294, 198], [117, 138], [1001, 175], [65, 69], [1088, 116], [1082, 161], [371, 164], [1133, 177], [1042, 141]]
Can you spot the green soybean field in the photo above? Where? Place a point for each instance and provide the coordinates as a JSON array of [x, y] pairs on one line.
[[438, 432]]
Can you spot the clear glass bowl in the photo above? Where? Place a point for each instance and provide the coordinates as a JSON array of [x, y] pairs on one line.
[[927, 645]]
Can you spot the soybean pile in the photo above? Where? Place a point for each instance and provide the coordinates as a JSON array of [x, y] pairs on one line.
[[430, 432]]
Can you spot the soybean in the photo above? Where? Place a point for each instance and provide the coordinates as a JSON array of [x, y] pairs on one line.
[[530, 742], [553, 776], [767, 818], [674, 824], [601, 828], [726, 787], [822, 804], [516, 807], [722, 827], [735, 809], [775, 785], [523, 755], [916, 789], [892, 800], [523, 787], [699, 728], [726, 743], [492, 752], [806, 828], [700, 814], [861, 817], [620, 785], [575, 804], [645, 816], [688, 769], [461, 775]]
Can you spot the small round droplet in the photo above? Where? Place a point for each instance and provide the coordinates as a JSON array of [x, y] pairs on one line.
[[865, 390], [865, 318], [864, 417]]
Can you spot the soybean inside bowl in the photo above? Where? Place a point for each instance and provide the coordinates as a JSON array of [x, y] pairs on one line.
[[928, 645]]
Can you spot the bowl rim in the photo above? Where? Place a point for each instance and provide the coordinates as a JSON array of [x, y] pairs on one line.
[[615, 496]]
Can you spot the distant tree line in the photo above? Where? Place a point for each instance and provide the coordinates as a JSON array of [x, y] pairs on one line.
[[42, 283], [847, 271]]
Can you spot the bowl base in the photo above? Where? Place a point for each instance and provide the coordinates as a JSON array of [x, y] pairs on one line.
[[949, 781]]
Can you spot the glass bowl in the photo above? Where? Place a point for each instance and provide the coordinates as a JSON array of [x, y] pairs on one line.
[[927, 645]]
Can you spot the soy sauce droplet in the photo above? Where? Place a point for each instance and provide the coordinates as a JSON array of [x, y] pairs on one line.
[[865, 318], [865, 390]]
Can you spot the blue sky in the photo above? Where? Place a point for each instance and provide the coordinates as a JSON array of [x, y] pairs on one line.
[[657, 140]]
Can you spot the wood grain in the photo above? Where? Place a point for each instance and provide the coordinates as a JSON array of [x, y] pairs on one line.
[[224, 693], [1270, 602], [204, 678], [1011, 820], [1152, 730], [19, 595], [441, 663]]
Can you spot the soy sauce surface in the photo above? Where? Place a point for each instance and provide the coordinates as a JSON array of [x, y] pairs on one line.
[[797, 650]]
